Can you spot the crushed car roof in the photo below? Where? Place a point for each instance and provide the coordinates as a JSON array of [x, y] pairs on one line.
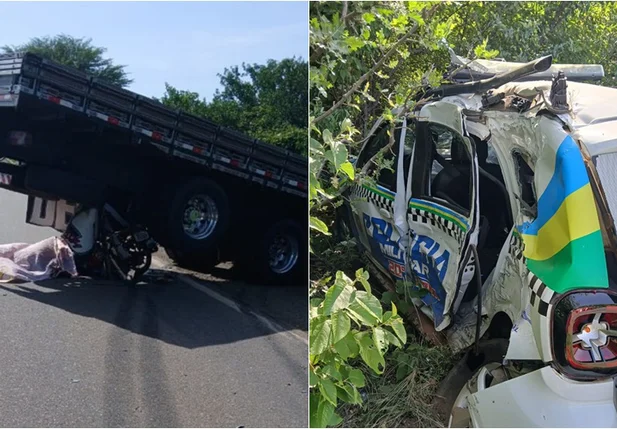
[[592, 112]]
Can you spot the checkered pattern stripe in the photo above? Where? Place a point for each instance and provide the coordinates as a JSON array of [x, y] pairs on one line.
[[372, 197], [417, 215], [449, 227], [541, 295]]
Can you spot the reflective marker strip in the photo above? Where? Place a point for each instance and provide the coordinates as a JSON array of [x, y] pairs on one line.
[[233, 162], [297, 184], [267, 174], [109, 119]]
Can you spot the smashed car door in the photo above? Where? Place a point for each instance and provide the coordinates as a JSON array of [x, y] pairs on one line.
[[372, 202], [442, 209]]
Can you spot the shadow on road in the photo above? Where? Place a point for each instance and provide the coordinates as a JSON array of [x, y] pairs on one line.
[[288, 305], [161, 307]]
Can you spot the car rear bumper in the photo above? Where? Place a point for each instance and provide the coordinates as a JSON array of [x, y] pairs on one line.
[[544, 398]]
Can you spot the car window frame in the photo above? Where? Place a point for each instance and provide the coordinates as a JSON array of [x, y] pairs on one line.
[[421, 168]]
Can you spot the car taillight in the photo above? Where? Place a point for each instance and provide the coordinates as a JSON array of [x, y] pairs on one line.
[[584, 334]]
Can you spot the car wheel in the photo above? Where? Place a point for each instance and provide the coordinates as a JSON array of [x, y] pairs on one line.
[[470, 373]]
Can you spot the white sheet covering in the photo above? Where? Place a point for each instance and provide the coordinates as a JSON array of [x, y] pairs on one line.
[[35, 262]]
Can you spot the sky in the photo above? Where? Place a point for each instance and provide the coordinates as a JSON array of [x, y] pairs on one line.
[[182, 43]]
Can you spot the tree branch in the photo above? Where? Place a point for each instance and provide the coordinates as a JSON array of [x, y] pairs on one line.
[[366, 75], [344, 13]]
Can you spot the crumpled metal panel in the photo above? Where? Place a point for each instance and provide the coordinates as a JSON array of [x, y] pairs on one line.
[[606, 165]]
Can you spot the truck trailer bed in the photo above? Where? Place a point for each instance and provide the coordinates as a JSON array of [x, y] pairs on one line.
[[31, 83]]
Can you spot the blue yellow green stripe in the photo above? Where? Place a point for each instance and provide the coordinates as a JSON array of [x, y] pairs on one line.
[[575, 218], [563, 245], [569, 175], [581, 264], [381, 191]]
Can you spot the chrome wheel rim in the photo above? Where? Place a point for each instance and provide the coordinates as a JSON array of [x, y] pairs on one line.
[[283, 253], [200, 217]]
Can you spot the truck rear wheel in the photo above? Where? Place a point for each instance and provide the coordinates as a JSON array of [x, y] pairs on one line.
[[198, 217], [278, 256]]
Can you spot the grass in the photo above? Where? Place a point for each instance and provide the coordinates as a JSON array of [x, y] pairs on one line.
[[402, 396]]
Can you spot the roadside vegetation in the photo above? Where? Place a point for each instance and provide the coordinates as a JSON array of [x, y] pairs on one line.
[[368, 367]]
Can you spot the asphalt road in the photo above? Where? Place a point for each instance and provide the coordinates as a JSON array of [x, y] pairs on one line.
[[176, 351]]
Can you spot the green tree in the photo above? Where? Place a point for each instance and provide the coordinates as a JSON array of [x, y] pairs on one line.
[[366, 61], [268, 102], [75, 52], [573, 32]]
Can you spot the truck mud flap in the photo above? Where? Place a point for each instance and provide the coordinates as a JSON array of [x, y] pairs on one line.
[[54, 214]]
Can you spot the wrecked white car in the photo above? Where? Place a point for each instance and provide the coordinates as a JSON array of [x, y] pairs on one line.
[[500, 204]]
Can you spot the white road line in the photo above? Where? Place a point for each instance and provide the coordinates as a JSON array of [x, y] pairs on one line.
[[268, 323]]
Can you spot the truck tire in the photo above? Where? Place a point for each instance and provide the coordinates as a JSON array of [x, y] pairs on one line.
[[278, 256], [198, 217]]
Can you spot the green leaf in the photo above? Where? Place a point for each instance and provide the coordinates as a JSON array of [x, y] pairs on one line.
[[313, 379], [392, 339], [352, 394], [386, 317], [392, 63], [363, 276], [339, 154], [347, 168], [370, 355], [368, 17], [354, 43], [340, 325], [335, 420], [388, 297], [325, 411], [331, 371], [318, 225], [314, 400], [344, 394], [394, 310], [356, 377], [379, 339], [328, 390], [320, 334], [399, 21], [327, 137], [346, 126], [369, 97], [347, 347], [340, 295], [481, 52], [316, 147], [399, 329], [366, 308]]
